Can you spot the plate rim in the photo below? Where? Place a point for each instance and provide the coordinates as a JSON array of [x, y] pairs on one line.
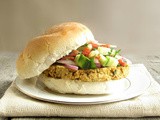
[[133, 95], [67, 102]]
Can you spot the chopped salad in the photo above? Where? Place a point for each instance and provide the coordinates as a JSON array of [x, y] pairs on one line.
[[93, 55]]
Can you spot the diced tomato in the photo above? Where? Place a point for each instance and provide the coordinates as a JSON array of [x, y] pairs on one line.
[[122, 63], [86, 51], [94, 45], [73, 53], [106, 45]]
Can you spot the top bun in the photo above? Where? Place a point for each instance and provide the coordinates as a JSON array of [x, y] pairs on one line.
[[55, 43]]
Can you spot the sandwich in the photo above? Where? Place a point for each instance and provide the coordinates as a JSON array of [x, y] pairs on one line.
[[67, 59]]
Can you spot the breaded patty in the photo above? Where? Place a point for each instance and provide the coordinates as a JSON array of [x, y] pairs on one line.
[[90, 75]]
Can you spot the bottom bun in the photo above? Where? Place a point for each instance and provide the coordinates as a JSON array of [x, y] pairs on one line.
[[80, 87]]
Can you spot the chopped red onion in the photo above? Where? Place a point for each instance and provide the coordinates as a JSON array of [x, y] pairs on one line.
[[98, 64], [68, 62], [72, 67]]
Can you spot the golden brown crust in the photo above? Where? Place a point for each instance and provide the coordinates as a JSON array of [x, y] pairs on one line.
[[64, 28], [90, 75], [44, 50]]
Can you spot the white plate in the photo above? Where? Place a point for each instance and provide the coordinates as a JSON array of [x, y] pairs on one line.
[[136, 83]]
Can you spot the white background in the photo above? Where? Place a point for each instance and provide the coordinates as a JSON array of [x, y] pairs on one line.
[[133, 25]]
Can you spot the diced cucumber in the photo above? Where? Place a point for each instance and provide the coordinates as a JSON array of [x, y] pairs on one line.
[[118, 57], [103, 60], [104, 50], [93, 53], [112, 61], [93, 65], [83, 62], [77, 58]]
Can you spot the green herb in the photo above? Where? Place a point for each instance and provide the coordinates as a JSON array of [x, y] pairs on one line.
[[117, 52], [118, 65], [110, 52], [114, 72]]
